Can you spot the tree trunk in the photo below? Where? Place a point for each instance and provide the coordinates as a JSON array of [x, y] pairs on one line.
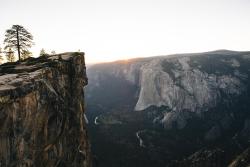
[[18, 45]]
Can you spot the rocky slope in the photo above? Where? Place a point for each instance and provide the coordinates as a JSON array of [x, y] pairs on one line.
[[242, 160], [42, 112], [200, 99]]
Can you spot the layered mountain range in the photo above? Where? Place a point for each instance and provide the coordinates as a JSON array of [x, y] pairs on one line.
[[194, 102]]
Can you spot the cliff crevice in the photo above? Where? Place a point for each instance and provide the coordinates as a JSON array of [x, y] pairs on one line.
[[42, 112]]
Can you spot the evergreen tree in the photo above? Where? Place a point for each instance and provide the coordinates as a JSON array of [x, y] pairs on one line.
[[10, 57], [53, 52], [43, 52], [18, 38], [1, 56], [25, 54]]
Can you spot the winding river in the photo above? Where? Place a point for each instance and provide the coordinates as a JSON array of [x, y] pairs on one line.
[[140, 139], [96, 123]]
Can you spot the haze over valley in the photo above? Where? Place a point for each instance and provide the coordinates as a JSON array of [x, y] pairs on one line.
[[125, 83], [176, 110]]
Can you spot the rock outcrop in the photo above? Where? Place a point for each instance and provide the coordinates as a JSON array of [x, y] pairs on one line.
[[42, 121], [204, 158], [183, 87], [242, 160]]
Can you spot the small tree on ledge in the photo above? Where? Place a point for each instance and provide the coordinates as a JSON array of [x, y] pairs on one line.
[[43, 52], [1, 56], [10, 57]]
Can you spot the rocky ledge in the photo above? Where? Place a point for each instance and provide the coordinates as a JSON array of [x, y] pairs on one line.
[[42, 121]]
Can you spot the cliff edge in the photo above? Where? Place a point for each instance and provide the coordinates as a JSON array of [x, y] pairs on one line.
[[42, 121]]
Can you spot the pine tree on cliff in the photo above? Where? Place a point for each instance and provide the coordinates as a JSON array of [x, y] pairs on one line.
[[25, 54], [1, 56], [10, 57], [53, 52], [43, 52], [18, 38]]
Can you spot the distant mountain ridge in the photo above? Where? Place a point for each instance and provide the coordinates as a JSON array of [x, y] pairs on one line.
[[206, 93], [180, 82]]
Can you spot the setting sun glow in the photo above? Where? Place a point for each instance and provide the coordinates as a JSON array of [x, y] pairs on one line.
[[108, 30]]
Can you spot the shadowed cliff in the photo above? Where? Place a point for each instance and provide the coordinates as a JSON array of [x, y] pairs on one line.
[[42, 112]]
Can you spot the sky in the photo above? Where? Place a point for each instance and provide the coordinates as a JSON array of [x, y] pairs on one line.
[[109, 30]]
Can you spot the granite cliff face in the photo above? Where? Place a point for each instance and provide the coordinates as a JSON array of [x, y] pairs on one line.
[[42, 120], [190, 107], [193, 83]]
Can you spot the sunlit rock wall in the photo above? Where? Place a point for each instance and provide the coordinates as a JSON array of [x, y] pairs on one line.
[[42, 121]]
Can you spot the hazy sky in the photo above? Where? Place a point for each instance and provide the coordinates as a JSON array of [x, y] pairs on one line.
[[108, 30]]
